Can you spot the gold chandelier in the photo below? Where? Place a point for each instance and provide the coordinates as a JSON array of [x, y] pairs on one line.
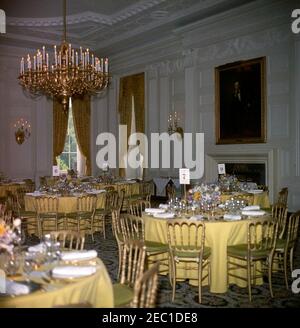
[[73, 73]]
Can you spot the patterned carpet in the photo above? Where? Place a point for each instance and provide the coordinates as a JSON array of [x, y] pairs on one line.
[[187, 295]]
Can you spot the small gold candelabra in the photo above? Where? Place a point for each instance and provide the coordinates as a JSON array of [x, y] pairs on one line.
[[23, 130]]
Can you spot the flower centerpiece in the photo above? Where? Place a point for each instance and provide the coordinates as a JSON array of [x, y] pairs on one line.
[[229, 183], [205, 196], [10, 234]]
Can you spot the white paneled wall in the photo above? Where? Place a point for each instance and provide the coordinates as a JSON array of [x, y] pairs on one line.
[[34, 157], [180, 76]]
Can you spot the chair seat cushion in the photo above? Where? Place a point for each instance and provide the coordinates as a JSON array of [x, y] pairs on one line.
[[101, 211], [241, 251], [28, 214], [192, 254], [154, 247], [123, 294]]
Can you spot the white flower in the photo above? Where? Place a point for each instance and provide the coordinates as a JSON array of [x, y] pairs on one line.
[[17, 223]]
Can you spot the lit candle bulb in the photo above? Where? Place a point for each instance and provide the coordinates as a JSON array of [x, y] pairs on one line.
[[76, 58], [106, 65], [55, 55]]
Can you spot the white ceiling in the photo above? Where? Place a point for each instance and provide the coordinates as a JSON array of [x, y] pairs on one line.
[[105, 25]]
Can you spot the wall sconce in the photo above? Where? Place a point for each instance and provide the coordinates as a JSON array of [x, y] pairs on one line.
[[22, 131], [173, 124]]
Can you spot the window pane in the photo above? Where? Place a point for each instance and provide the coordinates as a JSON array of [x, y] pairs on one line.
[[73, 158], [68, 159], [64, 161], [73, 144]]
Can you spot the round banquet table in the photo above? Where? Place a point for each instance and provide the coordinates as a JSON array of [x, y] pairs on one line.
[[67, 204], [131, 188], [261, 198], [219, 235], [95, 290], [13, 187]]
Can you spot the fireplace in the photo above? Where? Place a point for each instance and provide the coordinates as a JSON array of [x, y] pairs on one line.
[[256, 165], [248, 172]]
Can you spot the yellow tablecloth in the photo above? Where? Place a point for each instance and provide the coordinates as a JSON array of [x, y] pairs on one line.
[[13, 187], [219, 235], [130, 188], [96, 290], [261, 199]]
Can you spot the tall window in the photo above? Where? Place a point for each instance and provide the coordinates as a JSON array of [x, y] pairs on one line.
[[68, 158]]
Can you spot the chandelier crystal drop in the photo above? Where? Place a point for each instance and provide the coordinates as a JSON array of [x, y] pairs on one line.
[[72, 72]]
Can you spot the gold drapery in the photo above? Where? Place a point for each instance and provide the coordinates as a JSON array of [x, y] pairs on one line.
[[60, 128], [132, 85], [81, 109]]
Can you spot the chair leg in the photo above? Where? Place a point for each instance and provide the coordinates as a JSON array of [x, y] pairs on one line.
[[270, 270], [120, 260], [292, 259], [173, 269], [104, 233], [200, 282], [249, 279], [285, 259]]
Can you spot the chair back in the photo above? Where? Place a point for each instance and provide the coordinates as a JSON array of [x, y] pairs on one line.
[[109, 188], [29, 185], [283, 196], [12, 203], [145, 289], [146, 189], [261, 235], [111, 200], [292, 229], [132, 227], [116, 225], [20, 197], [69, 239], [121, 199], [86, 203], [185, 235], [279, 213], [47, 204], [133, 262], [137, 207]]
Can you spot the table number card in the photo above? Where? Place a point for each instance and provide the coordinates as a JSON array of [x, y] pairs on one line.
[[184, 176], [55, 170], [221, 169]]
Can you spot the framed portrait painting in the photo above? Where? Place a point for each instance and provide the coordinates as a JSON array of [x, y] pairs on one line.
[[241, 102]]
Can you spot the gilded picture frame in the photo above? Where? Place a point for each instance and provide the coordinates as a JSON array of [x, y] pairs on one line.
[[240, 104]]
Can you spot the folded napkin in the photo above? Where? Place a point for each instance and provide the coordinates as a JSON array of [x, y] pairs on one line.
[[255, 191], [73, 271], [154, 210], [196, 218], [14, 288], [34, 194], [251, 208], [165, 206], [164, 215], [232, 217], [39, 248], [78, 255], [96, 191], [253, 213]]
